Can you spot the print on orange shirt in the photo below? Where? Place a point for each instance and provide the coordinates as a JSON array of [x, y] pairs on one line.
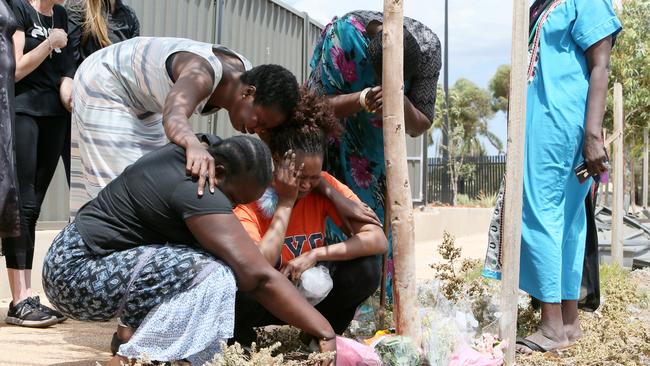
[[306, 228]]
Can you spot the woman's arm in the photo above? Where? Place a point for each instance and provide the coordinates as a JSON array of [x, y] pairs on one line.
[[348, 210], [65, 93], [233, 245], [194, 80], [416, 122], [598, 57], [28, 62], [345, 105], [368, 240], [286, 186]]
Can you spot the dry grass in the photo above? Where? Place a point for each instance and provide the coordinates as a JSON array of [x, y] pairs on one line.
[[618, 333]]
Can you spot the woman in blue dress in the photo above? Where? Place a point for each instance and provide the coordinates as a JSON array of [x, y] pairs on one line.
[[570, 45]]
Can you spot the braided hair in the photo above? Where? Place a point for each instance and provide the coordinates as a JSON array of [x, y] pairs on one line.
[[244, 154], [311, 124]]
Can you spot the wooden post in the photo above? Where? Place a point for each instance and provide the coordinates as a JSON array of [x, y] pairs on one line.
[[645, 167], [618, 181], [399, 190], [384, 258], [514, 179]]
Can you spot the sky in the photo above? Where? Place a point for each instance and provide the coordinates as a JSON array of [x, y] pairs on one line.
[[479, 35]]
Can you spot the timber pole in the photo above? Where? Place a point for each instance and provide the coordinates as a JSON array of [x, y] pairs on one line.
[[618, 181], [514, 179], [399, 189], [645, 167]]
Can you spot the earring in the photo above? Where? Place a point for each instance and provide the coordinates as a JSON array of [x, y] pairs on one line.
[[243, 96]]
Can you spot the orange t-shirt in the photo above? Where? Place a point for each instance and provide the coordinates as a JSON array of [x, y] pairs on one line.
[[306, 228]]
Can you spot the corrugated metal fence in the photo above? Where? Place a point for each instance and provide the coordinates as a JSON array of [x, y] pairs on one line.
[[265, 31]]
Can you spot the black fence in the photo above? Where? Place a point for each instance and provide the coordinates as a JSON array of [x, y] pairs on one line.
[[485, 178]]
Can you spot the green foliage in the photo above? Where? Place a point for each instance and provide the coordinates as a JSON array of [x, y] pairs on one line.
[[500, 88], [630, 67], [470, 109]]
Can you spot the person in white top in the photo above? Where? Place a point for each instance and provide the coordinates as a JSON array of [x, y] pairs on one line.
[[129, 98]]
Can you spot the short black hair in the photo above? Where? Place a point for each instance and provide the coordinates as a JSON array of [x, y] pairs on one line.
[[275, 87], [312, 122], [244, 154], [412, 54]]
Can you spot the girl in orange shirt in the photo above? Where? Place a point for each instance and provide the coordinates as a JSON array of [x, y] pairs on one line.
[[288, 223]]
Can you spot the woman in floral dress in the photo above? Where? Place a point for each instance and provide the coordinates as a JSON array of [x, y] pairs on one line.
[[346, 66]]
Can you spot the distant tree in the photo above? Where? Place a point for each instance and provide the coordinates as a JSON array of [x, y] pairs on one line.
[[630, 66], [499, 87], [470, 110]]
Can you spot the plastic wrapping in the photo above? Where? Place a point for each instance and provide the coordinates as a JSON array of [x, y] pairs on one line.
[[315, 284]]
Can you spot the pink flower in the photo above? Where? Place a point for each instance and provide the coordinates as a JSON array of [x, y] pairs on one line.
[[360, 27], [360, 171], [346, 67]]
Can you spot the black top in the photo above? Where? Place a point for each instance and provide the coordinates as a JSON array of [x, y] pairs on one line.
[[147, 204], [424, 84], [122, 24], [37, 94]]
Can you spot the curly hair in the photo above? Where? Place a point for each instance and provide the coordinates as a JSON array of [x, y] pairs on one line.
[[275, 87], [311, 124]]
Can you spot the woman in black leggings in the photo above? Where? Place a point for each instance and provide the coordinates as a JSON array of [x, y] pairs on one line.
[[43, 64]]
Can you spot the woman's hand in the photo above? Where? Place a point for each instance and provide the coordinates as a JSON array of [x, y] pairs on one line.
[[200, 164], [350, 211], [593, 151], [328, 346], [374, 101], [65, 93], [295, 267], [57, 38], [287, 180]]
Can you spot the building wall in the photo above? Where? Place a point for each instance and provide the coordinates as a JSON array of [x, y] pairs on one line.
[[265, 31]]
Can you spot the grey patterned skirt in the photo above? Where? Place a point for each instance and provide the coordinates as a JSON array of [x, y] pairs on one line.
[[151, 288]]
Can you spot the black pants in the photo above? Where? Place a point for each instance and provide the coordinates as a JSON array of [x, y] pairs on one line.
[[39, 141], [354, 281], [65, 151]]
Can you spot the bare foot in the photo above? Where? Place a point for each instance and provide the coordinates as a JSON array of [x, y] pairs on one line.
[[573, 331], [546, 339]]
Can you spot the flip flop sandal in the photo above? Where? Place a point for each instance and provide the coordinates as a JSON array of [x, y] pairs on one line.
[[531, 345]]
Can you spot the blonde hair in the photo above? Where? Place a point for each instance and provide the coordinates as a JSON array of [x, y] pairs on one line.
[[95, 23]]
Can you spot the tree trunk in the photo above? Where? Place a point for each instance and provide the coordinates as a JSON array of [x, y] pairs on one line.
[[514, 180], [399, 190]]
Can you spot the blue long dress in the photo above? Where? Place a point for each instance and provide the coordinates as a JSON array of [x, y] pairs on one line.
[[554, 224]]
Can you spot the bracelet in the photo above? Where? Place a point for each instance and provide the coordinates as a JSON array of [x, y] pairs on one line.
[[362, 98]]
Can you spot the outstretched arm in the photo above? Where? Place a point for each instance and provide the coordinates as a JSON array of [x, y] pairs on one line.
[[368, 240], [233, 245]]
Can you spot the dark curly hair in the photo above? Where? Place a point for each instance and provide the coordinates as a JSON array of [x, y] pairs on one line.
[[412, 54], [275, 87], [244, 154], [312, 122]]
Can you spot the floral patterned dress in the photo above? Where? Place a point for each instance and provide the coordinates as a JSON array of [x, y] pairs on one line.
[[340, 65]]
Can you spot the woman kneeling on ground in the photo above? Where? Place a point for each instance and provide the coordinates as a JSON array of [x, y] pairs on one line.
[[290, 231], [146, 250]]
